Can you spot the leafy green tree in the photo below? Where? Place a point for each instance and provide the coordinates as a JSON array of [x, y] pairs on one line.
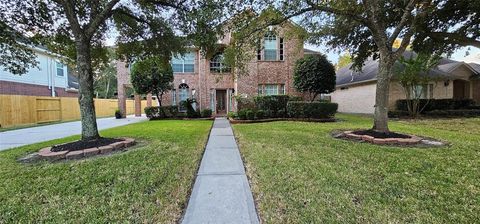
[[78, 29], [15, 54], [315, 75], [344, 60], [413, 75], [152, 75], [369, 29]]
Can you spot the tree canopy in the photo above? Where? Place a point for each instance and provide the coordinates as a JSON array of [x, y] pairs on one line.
[[152, 75], [315, 75]]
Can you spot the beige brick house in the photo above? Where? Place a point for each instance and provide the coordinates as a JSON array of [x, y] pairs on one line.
[[355, 90], [270, 72]]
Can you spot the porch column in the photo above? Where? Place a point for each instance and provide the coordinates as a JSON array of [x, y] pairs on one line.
[[138, 105], [122, 101], [149, 100]]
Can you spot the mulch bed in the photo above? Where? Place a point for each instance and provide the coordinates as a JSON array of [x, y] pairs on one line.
[[377, 134], [389, 138], [84, 144], [80, 149]]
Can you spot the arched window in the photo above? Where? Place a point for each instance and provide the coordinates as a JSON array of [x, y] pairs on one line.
[[217, 64]]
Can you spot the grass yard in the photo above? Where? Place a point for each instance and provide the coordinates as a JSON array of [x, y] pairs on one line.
[[299, 174], [149, 184]]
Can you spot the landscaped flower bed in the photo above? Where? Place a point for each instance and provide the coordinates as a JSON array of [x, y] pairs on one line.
[[390, 138], [78, 151]]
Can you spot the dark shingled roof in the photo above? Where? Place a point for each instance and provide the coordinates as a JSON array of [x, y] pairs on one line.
[[347, 76], [308, 51]]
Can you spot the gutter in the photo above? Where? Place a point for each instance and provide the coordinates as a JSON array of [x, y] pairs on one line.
[[356, 83]]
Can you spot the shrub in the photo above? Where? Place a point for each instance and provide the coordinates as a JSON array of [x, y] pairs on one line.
[[250, 115], [191, 113], [454, 113], [231, 115], [317, 110], [154, 113], [118, 114], [260, 114], [438, 104], [206, 113], [242, 114], [244, 103], [272, 103]]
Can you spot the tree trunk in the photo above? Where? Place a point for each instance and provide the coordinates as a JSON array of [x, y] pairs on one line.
[[159, 99], [108, 86], [85, 91], [380, 122]]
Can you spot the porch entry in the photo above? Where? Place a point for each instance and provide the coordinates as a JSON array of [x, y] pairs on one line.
[[221, 101]]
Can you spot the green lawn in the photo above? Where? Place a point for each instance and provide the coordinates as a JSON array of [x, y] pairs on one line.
[[148, 184], [299, 174]]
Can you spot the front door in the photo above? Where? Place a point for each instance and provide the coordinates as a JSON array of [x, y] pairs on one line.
[[221, 101]]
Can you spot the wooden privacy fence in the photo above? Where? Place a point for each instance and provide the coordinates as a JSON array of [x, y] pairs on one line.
[[18, 110]]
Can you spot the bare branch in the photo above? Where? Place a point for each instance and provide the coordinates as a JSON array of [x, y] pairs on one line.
[[71, 16], [407, 14], [102, 16]]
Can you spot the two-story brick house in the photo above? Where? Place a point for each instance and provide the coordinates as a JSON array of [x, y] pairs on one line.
[[270, 72]]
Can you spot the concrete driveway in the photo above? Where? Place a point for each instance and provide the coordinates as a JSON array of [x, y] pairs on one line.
[[26, 136]]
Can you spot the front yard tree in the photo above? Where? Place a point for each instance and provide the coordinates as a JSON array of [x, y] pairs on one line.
[[414, 76], [315, 75], [84, 25], [369, 28], [152, 75]]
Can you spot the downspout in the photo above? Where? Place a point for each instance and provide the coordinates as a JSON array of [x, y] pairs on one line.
[[49, 81], [53, 78]]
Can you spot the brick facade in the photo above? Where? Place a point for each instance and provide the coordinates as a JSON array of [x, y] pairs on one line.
[[17, 88], [208, 84]]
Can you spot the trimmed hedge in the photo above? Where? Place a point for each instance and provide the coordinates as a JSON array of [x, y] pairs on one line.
[[206, 113], [275, 105], [438, 104], [154, 113], [454, 113], [316, 110]]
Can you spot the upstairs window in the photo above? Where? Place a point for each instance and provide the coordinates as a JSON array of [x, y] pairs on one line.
[[183, 64], [270, 47], [217, 64], [271, 89], [59, 67]]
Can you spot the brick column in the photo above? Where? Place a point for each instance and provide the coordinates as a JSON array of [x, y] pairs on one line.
[[149, 100], [122, 101], [138, 105]]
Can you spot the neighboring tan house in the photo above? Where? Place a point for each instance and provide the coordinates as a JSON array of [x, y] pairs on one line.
[[355, 91], [50, 78], [214, 86]]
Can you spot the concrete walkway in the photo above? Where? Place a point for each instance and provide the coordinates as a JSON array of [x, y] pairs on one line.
[[26, 136], [221, 193]]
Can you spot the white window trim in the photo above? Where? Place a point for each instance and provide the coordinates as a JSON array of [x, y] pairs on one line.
[[183, 63], [56, 69]]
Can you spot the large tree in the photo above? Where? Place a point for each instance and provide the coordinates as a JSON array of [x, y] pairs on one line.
[[369, 28], [78, 29], [314, 75], [152, 75]]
